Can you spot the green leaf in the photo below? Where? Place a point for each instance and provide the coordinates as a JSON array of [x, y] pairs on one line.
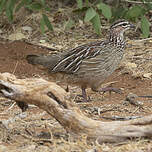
[[43, 2], [90, 13], [2, 5], [145, 26], [80, 4], [47, 22], [9, 15], [12, 4], [96, 23], [35, 6], [87, 3], [135, 12], [27, 2], [42, 25], [9, 9], [69, 24], [21, 4], [77, 10], [48, 9], [118, 13], [106, 10], [149, 6]]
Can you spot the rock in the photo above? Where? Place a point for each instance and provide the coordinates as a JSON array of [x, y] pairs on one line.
[[92, 150], [27, 28], [16, 36], [131, 65], [133, 99], [3, 148], [147, 75]]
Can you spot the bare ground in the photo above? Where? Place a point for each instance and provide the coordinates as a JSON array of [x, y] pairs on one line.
[[37, 131]]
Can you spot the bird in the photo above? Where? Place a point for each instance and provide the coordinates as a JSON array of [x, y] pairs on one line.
[[88, 65]]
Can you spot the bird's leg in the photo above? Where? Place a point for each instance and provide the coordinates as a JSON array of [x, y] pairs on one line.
[[84, 95]]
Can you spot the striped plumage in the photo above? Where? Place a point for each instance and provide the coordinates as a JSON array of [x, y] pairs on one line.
[[90, 64]]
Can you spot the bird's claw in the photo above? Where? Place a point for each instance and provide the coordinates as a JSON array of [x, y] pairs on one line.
[[110, 89]]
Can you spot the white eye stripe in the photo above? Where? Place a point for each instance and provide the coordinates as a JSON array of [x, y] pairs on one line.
[[119, 24]]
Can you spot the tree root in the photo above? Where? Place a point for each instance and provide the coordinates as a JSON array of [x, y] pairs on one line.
[[56, 101]]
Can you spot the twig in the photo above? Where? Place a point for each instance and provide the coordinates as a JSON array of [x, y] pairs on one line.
[[11, 106], [36, 140], [136, 2], [139, 58], [143, 40], [146, 96], [121, 118], [15, 67], [135, 110], [5, 111], [43, 47], [121, 143]]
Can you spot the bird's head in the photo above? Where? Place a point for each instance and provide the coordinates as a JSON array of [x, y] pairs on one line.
[[119, 27]]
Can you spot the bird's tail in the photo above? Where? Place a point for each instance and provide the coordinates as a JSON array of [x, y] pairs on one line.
[[33, 59], [45, 61]]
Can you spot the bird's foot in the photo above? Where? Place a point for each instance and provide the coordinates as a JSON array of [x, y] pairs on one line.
[[109, 89]]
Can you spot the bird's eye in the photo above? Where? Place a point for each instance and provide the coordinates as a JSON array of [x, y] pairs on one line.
[[124, 24]]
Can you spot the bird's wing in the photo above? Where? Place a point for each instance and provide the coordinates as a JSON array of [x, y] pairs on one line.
[[105, 62], [71, 61]]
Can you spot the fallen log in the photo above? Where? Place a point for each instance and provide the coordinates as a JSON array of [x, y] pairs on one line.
[[56, 101]]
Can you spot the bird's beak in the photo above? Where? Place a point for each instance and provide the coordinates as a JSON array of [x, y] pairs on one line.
[[132, 26]]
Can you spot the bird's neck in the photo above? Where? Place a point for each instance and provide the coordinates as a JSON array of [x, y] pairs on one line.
[[117, 38]]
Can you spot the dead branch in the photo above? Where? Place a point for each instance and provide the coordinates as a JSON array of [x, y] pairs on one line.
[[56, 101]]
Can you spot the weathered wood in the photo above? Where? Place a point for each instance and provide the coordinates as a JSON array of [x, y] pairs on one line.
[[56, 101]]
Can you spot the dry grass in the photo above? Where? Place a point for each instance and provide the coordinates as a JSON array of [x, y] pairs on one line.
[[37, 131]]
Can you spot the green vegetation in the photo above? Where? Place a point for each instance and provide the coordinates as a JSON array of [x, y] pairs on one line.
[[92, 11]]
